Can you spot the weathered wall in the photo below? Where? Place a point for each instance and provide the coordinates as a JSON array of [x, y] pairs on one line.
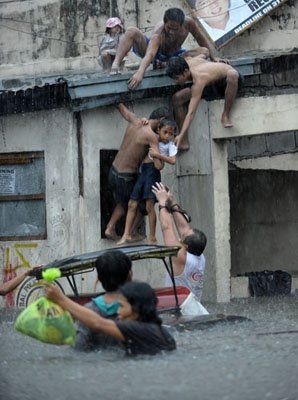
[[47, 36], [73, 221]]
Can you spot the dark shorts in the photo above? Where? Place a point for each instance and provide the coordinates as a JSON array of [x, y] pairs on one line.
[[122, 184], [143, 188]]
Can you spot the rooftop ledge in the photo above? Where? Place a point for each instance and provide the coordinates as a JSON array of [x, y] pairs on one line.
[[87, 90]]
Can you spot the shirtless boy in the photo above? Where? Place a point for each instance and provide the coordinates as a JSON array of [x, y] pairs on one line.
[[165, 42], [202, 73], [137, 140]]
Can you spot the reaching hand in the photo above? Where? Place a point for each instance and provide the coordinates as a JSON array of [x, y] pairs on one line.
[[161, 193], [135, 80], [145, 121]]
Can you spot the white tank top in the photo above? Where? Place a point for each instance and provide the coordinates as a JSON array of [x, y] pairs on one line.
[[192, 276]]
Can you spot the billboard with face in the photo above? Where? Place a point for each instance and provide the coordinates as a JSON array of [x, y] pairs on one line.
[[224, 19]]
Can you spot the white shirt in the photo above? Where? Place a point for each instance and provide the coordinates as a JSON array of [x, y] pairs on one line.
[[192, 276]]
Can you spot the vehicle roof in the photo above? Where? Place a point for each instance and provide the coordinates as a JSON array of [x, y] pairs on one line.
[[81, 262]]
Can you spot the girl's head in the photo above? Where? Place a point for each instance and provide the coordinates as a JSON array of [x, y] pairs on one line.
[[113, 270], [138, 301], [166, 130], [114, 26]]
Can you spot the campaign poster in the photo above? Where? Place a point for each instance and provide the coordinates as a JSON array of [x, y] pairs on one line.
[[223, 20]]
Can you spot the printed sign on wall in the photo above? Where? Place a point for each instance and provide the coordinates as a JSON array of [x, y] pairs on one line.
[[225, 19]]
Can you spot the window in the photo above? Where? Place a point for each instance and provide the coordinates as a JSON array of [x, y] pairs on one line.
[[22, 196]]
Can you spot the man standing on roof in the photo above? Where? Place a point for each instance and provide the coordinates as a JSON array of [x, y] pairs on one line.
[[189, 264], [165, 42]]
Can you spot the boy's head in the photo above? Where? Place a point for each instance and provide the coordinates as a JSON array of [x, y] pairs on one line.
[[160, 112], [113, 270], [177, 69], [114, 25], [166, 130]]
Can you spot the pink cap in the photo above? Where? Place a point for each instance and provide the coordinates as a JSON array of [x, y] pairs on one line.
[[111, 22]]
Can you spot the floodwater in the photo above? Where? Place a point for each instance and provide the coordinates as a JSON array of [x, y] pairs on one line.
[[255, 359]]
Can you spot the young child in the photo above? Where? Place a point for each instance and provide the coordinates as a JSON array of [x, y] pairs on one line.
[[139, 328], [148, 176], [109, 43], [113, 270]]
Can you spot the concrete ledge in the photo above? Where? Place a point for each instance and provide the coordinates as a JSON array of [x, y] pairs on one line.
[[239, 287]]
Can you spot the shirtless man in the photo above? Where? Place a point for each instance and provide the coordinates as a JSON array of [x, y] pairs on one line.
[[202, 73], [165, 42], [137, 140]]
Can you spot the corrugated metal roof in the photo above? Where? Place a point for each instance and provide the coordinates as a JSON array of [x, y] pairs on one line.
[[81, 91]]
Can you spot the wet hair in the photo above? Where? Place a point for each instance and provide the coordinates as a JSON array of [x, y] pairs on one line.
[[113, 269], [168, 122], [174, 14], [161, 112], [176, 66], [196, 242], [142, 299]]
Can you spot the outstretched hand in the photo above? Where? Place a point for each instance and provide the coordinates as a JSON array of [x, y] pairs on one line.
[[135, 80], [161, 192]]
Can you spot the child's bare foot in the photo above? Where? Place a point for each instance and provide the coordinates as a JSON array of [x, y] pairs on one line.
[[111, 235], [226, 121], [137, 237], [152, 240], [125, 239]]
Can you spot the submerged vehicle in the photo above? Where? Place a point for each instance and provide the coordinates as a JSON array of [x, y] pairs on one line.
[[169, 299]]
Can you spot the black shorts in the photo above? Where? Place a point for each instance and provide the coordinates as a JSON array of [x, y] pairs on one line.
[[122, 184], [143, 187]]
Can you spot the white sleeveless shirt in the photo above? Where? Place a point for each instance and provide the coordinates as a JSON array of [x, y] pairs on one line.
[[192, 276]]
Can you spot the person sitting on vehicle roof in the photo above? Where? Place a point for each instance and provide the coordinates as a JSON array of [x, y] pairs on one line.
[[139, 329], [113, 270], [189, 264]]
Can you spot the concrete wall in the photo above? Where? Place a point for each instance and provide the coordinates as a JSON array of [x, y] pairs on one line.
[[50, 36], [73, 221]]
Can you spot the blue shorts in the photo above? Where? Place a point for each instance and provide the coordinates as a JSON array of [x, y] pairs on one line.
[[159, 55], [122, 184], [143, 187]]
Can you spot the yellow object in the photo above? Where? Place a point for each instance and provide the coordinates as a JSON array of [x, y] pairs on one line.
[[51, 274], [46, 321]]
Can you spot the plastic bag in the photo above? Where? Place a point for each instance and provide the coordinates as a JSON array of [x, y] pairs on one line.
[[191, 306], [48, 322]]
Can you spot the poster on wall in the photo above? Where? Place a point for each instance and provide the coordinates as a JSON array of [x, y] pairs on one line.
[[223, 20], [7, 181]]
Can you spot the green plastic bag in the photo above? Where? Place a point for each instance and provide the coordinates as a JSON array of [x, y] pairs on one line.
[[48, 322]]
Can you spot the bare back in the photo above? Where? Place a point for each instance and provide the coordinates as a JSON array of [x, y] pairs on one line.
[[134, 147], [205, 72]]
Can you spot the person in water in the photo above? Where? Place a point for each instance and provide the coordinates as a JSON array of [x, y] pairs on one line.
[[138, 327], [114, 269]]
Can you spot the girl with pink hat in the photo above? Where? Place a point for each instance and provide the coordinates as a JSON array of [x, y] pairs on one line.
[[109, 42]]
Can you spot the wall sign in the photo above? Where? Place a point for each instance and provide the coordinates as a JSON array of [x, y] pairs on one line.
[[223, 20]]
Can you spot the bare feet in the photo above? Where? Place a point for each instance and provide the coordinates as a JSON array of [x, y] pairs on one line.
[[124, 239], [111, 235], [226, 121], [152, 240], [137, 237]]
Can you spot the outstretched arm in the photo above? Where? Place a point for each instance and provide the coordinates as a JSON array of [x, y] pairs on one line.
[[151, 51], [128, 115], [196, 30], [88, 317], [196, 94], [9, 286]]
